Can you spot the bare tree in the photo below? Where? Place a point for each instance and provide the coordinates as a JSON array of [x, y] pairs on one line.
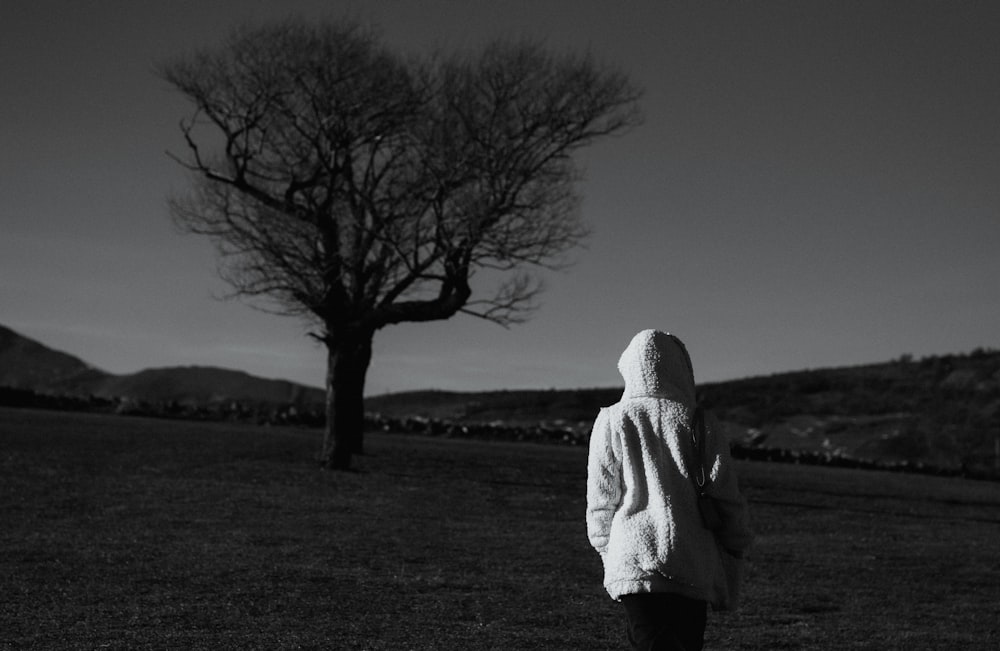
[[358, 188]]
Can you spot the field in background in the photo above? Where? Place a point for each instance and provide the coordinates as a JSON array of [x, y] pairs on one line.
[[937, 415], [131, 533]]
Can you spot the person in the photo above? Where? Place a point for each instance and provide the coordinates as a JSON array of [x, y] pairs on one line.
[[660, 559]]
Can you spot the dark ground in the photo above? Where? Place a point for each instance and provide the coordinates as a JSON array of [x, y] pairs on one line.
[[127, 533]]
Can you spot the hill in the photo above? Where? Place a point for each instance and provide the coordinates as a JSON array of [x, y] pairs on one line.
[[941, 411], [199, 385], [29, 365], [556, 406]]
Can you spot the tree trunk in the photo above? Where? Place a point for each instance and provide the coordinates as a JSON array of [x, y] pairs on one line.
[[347, 365]]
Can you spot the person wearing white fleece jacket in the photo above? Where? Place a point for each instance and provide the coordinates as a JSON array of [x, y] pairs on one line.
[[659, 559]]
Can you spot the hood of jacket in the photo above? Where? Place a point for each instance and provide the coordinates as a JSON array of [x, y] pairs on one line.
[[657, 365]]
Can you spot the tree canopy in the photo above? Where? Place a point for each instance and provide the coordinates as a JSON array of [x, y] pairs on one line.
[[357, 187]]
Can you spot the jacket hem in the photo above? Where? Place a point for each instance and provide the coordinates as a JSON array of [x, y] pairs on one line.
[[657, 584]]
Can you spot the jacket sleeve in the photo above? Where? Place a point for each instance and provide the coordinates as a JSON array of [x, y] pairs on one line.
[[736, 536], [604, 481]]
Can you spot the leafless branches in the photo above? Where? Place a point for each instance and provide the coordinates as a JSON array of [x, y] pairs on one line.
[[348, 184]]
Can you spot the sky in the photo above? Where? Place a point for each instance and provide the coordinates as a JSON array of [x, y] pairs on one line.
[[814, 184]]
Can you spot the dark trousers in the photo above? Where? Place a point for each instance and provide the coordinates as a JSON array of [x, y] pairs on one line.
[[662, 621]]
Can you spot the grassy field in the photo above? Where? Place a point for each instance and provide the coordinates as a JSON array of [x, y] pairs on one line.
[[125, 533]]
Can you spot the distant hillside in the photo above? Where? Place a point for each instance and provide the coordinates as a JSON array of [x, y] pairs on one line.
[[28, 364], [514, 407], [940, 410], [943, 410], [204, 385]]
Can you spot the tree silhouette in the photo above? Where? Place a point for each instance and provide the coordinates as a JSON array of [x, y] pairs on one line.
[[359, 188]]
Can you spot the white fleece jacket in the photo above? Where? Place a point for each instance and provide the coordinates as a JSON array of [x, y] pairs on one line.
[[642, 513]]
